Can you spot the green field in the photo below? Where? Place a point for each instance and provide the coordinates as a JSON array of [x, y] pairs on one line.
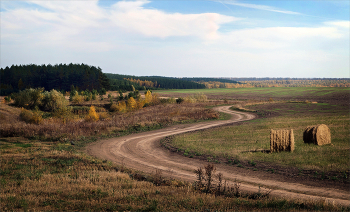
[[250, 140], [290, 93]]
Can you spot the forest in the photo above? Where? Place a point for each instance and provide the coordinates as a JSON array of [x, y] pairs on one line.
[[59, 77], [124, 82]]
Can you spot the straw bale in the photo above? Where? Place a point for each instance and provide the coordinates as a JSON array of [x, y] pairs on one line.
[[318, 135], [281, 140]]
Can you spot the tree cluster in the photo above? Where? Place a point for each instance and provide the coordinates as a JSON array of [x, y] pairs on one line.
[[59, 77]]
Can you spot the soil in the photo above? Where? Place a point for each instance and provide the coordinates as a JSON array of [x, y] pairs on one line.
[[144, 152]]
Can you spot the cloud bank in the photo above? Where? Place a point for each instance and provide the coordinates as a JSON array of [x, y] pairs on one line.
[[130, 38]]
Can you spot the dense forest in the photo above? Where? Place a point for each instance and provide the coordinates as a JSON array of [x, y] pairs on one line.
[[60, 77], [124, 82]]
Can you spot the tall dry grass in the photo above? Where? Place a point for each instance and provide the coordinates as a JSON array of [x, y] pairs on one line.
[[163, 114]]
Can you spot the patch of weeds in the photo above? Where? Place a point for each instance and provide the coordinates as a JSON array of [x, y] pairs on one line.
[[271, 170], [240, 165], [14, 202], [345, 176], [252, 163], [23, 145], [209, 159]]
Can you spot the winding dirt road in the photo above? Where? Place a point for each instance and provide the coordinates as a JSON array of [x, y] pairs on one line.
[[143, 152]]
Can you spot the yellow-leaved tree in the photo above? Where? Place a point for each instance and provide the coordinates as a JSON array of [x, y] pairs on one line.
[[92, 116], [148, 97], [132, 104], [121, 107]]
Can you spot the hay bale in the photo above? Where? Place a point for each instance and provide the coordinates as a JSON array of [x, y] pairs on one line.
[[281, 140], [318, 135]]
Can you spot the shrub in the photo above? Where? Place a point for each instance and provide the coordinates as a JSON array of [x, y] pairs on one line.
[[132, 104], [113, 107], [179, 100], [7, 99], [29, 98], [77, 99], [148, 97], [54, 101], [32, 117], [92, 116]]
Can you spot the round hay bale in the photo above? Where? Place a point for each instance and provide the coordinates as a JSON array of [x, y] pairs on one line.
[[318, 135]]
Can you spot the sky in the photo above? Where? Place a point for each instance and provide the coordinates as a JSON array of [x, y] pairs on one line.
[[226, 38]]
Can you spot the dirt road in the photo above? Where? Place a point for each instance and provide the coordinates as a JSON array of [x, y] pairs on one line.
[[143, 152]]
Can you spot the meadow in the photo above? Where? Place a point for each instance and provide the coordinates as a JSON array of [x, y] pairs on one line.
[[43, 166], [247, 144]]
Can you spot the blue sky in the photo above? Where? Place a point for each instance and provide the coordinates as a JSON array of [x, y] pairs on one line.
[[181, 38]]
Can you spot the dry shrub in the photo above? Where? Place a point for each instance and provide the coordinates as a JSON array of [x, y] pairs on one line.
[[32, 117], [318, 135], [92, 116], [77, 99], [113, 107], [281, 140]]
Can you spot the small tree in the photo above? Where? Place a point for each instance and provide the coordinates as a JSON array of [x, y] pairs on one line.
[[92, 116], [132, 104], [148, 97]]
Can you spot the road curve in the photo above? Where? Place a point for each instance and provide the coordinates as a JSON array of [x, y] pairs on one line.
[[143, 152]]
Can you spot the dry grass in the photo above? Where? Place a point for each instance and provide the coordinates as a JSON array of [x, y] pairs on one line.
[[54, 128], [38, 176]]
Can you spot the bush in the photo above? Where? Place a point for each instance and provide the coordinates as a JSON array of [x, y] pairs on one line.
[[7, 99], [30, 116], [77, 99], [54, 101], [179, 100], [113, 107], [92, 116], [29, 98]]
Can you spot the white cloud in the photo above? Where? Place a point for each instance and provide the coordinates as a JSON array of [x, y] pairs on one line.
[[261, 7], [344, 24], [131, 39], [151, 22]]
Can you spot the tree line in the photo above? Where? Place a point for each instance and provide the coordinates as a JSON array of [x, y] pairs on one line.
[[59, 77], [125, 82]]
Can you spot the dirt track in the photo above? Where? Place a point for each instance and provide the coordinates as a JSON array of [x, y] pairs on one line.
[[143, 152]]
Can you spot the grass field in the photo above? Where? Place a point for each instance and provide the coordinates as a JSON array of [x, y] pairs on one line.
[[53, 175], [290, 93], [250, 141]]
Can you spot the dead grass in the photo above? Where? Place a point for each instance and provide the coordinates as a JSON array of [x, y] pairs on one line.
[[38, 176], [71, 127]]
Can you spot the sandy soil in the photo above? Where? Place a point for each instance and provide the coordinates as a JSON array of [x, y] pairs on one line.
[[143, 152]]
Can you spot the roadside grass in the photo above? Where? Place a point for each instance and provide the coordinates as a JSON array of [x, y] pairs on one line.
[[50, 176], [248, 141]]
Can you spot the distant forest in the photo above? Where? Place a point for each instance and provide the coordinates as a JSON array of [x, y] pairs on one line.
[[205, 79], [124, 82], [59, 77], [63, 77]]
